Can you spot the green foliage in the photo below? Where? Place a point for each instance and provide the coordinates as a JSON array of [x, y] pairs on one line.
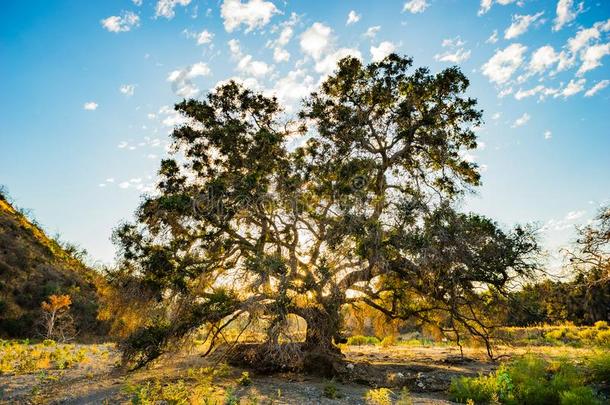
[[331, 390], [245, 379], [579, 396], [558, 335], [598, 367], [527, 380], [24, 357], [405, 397], [379, 396], [360, 340], [153, 392], [388, 341]]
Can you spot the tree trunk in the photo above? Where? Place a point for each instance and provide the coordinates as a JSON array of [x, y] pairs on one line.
[[320, 355]]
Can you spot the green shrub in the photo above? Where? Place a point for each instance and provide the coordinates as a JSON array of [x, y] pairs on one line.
[[405, 397], [388, 341], [598, 367], [245, 380], [379, 396], [527, 380], [360, 340], [579, 396], [330, 390], [481, 389], [603, 338]]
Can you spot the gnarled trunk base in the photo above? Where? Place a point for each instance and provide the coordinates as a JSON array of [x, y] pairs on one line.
[[295, 357]]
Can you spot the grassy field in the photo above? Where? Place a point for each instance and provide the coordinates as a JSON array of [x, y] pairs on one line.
[[554, 369]]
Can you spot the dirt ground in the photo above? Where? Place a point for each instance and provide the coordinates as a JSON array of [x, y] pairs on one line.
[[425, 371]]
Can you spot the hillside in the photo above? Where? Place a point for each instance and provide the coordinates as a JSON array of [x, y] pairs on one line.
[[32, 267]]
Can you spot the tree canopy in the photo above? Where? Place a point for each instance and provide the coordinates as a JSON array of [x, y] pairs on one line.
[[362, 212]]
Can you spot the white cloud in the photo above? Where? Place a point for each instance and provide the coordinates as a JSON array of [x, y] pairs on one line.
[[566, 13], [253, 67], [582, 38], [352, 18], [548, 134], [505, 92], [90, 106], [181, 79], [592, 56], [452, 42], [281, 55], [170, 117], [493, 38], [127, 89], [124, 184], [246, 63], [372, 31], [285, 36], [504, 63], [137, 2], [296, 85], [486, 5], [496, 116], [539, 90], [253, 13], [522, 120], [204, 37], [415, 6], [382, 50], [165, 8], [234, 47], [598, 86], [564, 223], [457, 55], [326, 65], [123, 23], [520, 24], [316, 40], [543, 58], [572, 88]]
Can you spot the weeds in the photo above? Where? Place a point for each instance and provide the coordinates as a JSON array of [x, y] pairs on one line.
[[331, 391], [23, 357], [528, 380], [379, 396]]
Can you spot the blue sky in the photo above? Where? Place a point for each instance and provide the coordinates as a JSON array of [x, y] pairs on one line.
[[87, 89]]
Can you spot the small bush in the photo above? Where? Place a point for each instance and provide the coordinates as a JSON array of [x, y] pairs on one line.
[[481, 389], [603, 338], [579, 396], [601, 325], [528, 380], [245, 380], [331, 391], [598, 366], [379, 396], [405, 397], [360, 340], [388, 341]]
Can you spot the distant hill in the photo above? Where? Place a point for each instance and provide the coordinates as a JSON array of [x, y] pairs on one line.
[[34, 266]]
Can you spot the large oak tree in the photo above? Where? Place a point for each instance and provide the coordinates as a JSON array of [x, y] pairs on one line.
[[363, 212]]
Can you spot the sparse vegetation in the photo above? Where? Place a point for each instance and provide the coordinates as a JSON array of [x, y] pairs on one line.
[[528, 380], [25, 357], [379, 396], [331, 391]]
